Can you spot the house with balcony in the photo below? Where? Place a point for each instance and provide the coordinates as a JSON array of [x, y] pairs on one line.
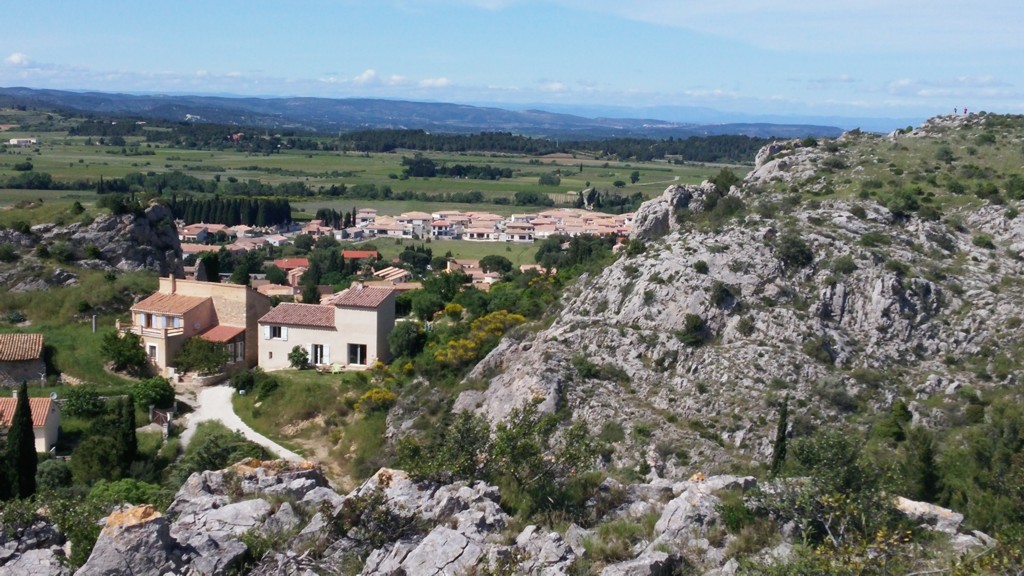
[[182, 309], [346, 330]]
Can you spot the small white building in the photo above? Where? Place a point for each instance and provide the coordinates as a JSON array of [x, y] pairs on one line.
[[45, 419], [347, 330]]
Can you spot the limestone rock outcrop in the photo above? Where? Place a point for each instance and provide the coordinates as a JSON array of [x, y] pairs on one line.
[[127, 242]]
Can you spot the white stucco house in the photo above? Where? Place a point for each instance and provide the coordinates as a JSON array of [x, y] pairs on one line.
[[346, 330], [45, 419]]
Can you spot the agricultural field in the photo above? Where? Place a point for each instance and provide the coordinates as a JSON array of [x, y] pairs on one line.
[[70, 159]]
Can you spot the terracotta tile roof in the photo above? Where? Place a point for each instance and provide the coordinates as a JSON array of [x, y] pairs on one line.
[[290, 263], [18, 347], [221, 333], [300, 315], [40, 408], [365, 297], [168, 303], [358, 254]]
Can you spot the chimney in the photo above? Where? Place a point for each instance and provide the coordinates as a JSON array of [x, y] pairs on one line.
[[360, 285], [173, 282], [14, 393]]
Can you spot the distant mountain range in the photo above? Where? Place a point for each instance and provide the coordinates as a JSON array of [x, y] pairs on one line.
[[342, 115]]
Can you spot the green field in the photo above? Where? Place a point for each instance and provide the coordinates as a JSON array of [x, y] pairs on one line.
[[80, 159]]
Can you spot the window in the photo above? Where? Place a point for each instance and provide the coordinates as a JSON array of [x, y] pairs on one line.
[[357, 354], [275, 332], [270, 355], [317, 357], [151, 351]]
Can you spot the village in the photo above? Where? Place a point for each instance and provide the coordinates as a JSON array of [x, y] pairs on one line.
[[262, 323], [442, 225]]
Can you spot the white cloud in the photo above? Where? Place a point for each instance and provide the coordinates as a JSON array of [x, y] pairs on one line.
[[395, 80], [554, 87], [19, 59], [435, 83], [367, 77]]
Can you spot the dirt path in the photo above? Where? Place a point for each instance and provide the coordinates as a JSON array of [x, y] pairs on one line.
[[214, 403]]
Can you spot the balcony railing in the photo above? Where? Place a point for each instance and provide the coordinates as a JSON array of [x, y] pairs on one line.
[[150, 332]]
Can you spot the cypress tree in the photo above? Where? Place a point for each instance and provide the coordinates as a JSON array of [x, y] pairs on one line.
[[5, 473], [922, 468], [779, 449], [128, 445], [21, 448]]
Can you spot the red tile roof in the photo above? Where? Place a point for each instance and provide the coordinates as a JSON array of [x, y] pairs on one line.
[[358, 254], [40, 408], [290, 263], [365, 297], [19, 347], [300, 315], [222, 333], [168, 303]]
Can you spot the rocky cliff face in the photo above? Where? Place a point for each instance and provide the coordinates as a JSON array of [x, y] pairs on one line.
[[276, 518], [129, 242], [683, 352]]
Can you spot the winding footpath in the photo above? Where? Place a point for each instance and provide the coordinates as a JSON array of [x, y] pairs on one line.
[[214, 403]]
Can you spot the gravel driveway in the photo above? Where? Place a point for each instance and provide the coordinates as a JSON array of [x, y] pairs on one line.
[[214, 403]]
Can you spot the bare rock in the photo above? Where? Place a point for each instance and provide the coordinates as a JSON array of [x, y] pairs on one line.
[[136, 540], [930, 516]]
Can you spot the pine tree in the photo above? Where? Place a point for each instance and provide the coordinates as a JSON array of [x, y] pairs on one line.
[[779, 449], [21, 448]]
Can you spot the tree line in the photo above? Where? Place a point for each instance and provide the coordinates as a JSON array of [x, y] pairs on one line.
[[716, 148], [232, 211]]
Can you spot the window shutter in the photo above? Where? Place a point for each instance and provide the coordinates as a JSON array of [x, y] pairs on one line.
[[266, 332], [142, 318], [309, 352], [284, 333], [327, 354]]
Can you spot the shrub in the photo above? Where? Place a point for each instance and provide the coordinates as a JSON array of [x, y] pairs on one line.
[[844, 264], [155, 391], [125, 352], [83, 402], [376, 399], [7, 253], [53, 475], [720, 293], [407, 339], [701, 267], [201, 356], [694, 332], [298, 358], [745, 326], [793, 251], [983, 241]]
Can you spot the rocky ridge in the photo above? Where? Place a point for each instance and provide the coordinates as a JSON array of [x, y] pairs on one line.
[[127, 243], [888, 306], [276, 517]]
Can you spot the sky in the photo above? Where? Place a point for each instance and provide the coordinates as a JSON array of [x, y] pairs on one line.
[[799, 58]]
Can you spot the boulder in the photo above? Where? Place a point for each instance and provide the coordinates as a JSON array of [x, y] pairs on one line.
[[648, 564], [930, 516], [135, 540]]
